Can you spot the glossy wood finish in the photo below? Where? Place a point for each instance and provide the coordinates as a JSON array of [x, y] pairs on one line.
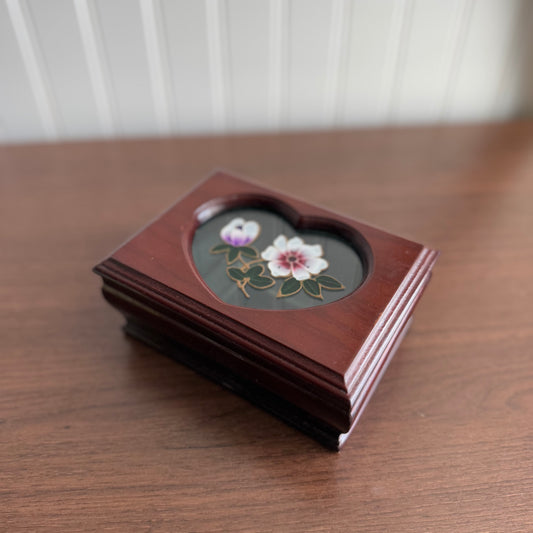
[[98, 431], [323, 360]]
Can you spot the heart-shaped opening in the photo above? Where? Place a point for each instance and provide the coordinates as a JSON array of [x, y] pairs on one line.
[[257, 252]]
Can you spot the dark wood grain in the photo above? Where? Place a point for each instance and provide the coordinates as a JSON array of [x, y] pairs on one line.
[[98, 432]]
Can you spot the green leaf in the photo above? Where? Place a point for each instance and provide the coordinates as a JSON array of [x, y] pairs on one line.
[[254, 271], [261, 282], [235, 274], [233, 253], [248, 251], [312, 288], [290, 286], [327, 282], [220, 248]]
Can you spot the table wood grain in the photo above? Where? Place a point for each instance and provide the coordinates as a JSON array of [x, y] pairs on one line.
[[98, 432]]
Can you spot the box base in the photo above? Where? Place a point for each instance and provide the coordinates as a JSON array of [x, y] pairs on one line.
[[326, 435]]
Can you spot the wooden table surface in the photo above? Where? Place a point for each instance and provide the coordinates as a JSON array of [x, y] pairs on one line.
[[98, 432]]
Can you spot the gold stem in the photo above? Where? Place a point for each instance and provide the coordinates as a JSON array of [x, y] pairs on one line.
[[246, 265], [242, 286]]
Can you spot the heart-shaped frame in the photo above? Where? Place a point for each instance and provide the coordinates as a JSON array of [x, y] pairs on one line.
[[304, 262]]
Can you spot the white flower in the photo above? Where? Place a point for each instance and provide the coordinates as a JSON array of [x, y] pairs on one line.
[[240, 232], [293, 257]]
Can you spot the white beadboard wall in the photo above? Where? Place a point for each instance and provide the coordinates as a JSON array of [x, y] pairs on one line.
[[75, 69]]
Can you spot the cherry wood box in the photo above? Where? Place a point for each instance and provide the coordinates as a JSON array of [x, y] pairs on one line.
[[294, 307]]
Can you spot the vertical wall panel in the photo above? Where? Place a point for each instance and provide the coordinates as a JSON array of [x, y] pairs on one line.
[[278, 63], [483, 61], [396, 56], [186, 35], [523, 68], [248, 63], [514, 93], [452, 58], [19, 114], [335, 82], [155, 40], [97, 64], [423, 80], [308, 62], [59, 38], [366, 74], [218, 63], [123, 39]]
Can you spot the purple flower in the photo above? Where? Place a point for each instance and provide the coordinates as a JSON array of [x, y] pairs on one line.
[[240, 232]]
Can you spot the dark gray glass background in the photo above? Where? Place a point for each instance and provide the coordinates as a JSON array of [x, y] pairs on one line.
[[344, 263]]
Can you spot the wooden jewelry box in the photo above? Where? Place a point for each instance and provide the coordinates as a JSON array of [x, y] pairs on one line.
[[294, 307]]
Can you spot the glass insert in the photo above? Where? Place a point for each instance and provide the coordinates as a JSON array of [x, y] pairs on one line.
[[252, 257]]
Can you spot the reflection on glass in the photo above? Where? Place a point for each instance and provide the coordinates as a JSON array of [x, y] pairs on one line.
[[254, 258]]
